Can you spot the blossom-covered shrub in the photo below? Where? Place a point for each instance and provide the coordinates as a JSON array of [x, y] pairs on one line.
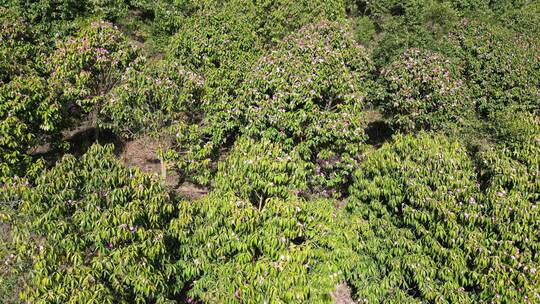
[[432, 234], [27, 115], [257, 171], [150, 97], [281, 253], [96, 231], [423, 91], [307, 95], [85, 67], [501, 66]]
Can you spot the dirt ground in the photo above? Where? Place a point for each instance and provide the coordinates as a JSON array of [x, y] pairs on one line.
[[142, 153]]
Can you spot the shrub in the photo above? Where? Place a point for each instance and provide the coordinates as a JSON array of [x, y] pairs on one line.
[[17, 47], [45, 12], [150, 97], [309, 95], [109, 10], [257, 171], [277, 19], [27, 116], [417, 197], [306, 95], [522, 20], [431, 234], [471, 6], [514, 129], [222, 44], [416, 24], [237, 253], [500, 66], [512, 219], [423, 91], [219, 37], [96, 231], [85, 67]]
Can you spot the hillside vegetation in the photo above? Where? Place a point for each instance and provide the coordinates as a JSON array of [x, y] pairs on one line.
[[269, 151]]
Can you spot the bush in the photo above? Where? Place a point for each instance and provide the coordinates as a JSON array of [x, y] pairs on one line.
[[257, 171], [417, 197], [420, 24], [85, 67], [96, 231], [512, 182], [45, 12], [222, 44], [514, 129], [17, 47], [423, 91], [27, 116], [277, 19], [237, 253], [309, 95], [500, 66], [109, 9], [306, 95], [431, 234], [215, 38], [150, 97]]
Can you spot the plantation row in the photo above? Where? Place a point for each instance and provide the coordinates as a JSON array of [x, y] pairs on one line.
[[274, 107]]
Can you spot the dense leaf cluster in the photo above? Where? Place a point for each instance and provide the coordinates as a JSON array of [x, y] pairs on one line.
[[423, 91], [432, 233], [96, 232], [353, 151]]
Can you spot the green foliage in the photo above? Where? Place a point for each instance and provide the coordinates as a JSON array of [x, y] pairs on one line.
[[150, 97], [109, 9], [500, 66], [236, 253], [309, 95], [512, 222], [306, 95], [16, 45], [523, 20], [413, 24], [279, 18], [417, 198], [423, 91], [95, 231], [364, 30], [258, 171], [85, 67], [514, 129], [27, 115], [222, 44], [274, 105], [217, 38], [46, 12], [431, 234]]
